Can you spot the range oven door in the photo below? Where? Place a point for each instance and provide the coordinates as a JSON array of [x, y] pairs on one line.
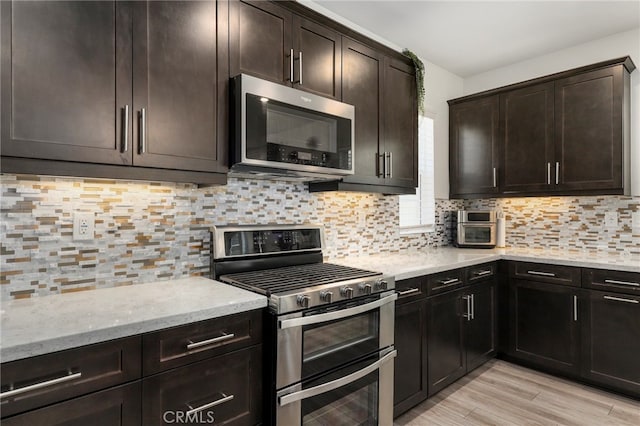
[[314, 341], [357, 394]]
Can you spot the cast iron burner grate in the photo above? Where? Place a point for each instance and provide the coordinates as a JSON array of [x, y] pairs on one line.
[[278, 280]]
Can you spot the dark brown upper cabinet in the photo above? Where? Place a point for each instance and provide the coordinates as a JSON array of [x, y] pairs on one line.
[[563, 134], [526, 127], [90, 87], [473, 145], [271, 42]]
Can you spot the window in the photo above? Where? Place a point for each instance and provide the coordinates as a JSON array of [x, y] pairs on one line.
[[417, 212]]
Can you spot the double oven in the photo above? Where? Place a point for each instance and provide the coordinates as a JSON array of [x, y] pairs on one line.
[[329, 340]]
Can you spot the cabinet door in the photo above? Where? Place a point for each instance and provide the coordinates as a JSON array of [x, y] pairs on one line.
[[527, 130], [543, 322], [589, 130], [445, 349], [400, 123], [473, 147], [481, 325], [611, 340], [260, 40], [118, 406], [362, 70], [318, 62], [181, 75], [231, 381], [410, 374], [63, 98]]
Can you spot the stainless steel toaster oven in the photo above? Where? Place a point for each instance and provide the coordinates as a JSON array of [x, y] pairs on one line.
[[474, 228]]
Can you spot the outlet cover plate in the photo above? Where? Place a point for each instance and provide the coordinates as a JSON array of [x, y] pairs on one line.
[[611, 219], [635, 221], [83, 226]]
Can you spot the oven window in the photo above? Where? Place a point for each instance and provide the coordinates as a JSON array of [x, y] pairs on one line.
[[477, 234], [353, 404], [335, 343]]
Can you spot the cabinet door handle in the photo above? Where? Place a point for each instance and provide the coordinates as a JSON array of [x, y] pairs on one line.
[[382, 166], [390, 164], [473, 307], [548, 173], [575, 308], [622, 283], [300, 65], [143, 131], [125, 128], [408, 292], [544, 274], [495, 178], [620, 299], [222, 400], [291, 65], [557, 172], [40, 385], [467, 313], [222, 338]]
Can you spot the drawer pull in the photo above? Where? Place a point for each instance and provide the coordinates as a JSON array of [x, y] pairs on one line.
[[222, 338], [622, 283], [449, 281], [544, 274], [620, 299], [408, 292], [481, 273], [222, 400], [67, 378]]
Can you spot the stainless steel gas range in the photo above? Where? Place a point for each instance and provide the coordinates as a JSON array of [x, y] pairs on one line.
[[329, 333]]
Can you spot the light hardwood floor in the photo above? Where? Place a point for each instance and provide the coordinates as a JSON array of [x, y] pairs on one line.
[[501, 393]]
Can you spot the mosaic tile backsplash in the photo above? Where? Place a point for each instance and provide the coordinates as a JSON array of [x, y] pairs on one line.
[[157, 231], [568, 223]]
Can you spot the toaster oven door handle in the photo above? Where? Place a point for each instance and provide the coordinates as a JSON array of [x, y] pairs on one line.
[[334, 384], [330, 316]]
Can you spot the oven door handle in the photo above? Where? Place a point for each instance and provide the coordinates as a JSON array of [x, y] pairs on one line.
[[330, 316], [334, 384]]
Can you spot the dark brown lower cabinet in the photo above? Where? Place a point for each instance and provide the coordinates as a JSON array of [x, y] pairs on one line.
[[611, 340], [544, 325], [462, 333], [111, 407], [410, 374], [224, 390]]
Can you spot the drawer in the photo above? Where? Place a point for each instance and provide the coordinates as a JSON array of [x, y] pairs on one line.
[[34, 382], [482, 272], [542, 272], [226, 388], [617, 281], [119, 406], [411, 289], [178, 346], [445, 281]]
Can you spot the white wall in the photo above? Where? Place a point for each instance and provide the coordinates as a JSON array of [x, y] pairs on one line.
[[617, 45]]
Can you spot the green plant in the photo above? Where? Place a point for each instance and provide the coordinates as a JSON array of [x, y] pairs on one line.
[[419, 66]]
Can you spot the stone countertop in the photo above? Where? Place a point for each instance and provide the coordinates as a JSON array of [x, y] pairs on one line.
[[404, 265], [40, 325]]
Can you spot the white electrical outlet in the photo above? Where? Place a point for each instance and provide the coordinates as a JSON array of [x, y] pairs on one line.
[[611, 219], [83, 226], [635, 221]]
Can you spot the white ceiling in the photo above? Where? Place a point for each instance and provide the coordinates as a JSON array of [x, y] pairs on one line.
[[471, 37]]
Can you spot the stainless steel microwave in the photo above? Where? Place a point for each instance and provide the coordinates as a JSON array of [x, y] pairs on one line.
[[474, 228], [284, 131]]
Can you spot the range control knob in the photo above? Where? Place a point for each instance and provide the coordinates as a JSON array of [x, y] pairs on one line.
[[365, 288], [381, 285], [303, 301], [326, 296], [347, 292]]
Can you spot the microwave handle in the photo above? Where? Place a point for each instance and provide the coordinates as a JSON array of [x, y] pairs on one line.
[[334, 384], [330, 316]]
